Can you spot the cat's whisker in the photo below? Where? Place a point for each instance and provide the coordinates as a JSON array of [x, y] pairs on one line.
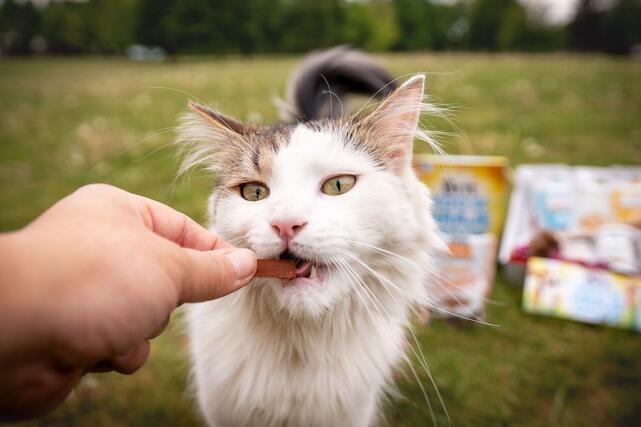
[[147, 138], [155, 150], [437, 280], [391, 254], [363, 288], [421, 386], [397, 256], [181, 91], [389, 86], [363, 284], [332, 93], [369, 293], [354, 287], [423, 362], [421, 359], [379, 276], [418, 355], [383, 251], [445, 284]]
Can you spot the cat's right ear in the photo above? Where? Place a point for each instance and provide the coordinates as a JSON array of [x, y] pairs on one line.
[[219, 120], [208, 138]]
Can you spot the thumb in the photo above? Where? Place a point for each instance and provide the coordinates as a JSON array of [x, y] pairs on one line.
[[207, 275]]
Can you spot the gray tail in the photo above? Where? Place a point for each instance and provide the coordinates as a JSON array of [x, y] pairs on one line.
[[319, 84]]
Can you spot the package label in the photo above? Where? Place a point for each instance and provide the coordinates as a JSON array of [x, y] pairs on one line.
[[469, 192]]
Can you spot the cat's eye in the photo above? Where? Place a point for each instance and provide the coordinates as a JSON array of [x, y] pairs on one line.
[[254, 191], [338, 185]]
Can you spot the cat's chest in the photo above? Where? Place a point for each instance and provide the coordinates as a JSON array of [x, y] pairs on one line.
[[337, 379]]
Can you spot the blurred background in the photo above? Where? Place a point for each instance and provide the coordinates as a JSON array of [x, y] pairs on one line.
[[90, 91], [283, 26]]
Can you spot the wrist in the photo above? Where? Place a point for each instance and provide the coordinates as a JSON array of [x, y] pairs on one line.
[[22, 322]]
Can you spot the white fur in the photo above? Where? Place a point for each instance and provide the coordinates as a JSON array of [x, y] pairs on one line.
[[270, 355]]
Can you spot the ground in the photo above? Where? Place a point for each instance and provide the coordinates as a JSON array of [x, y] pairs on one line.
[[67, 122]]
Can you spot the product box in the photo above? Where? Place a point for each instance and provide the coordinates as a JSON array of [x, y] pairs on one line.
[[469, 192], [570, 200], [465, 276], [570, 291]]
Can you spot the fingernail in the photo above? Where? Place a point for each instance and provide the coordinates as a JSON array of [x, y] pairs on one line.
[[244, 262]]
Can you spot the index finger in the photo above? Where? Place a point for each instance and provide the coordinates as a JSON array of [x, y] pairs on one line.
[[176, 226]]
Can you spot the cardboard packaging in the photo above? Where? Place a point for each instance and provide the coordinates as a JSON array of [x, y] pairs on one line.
[[570, 291], [573, 201]]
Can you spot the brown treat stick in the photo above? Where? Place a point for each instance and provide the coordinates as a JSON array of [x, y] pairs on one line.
[[277, 268]]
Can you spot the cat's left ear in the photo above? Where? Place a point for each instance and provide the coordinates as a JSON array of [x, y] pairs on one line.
[[392, 126], [209, 138]]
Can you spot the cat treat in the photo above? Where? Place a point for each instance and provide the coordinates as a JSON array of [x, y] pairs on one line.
[[276, 268]]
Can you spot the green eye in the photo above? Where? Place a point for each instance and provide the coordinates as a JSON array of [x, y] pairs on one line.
[[338, 185], [254, 191]]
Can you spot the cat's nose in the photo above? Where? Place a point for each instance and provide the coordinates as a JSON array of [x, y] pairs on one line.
[[287, 228]]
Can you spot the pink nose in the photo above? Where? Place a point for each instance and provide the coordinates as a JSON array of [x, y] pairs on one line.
[[287, 228]]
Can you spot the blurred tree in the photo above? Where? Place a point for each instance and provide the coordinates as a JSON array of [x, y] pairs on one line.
[[622, 27], [370, 25], [424, 24], [112, 23], [615, 29], [524, 30], [513, 30], [97, 26], [485, 20], [586, 30], [19, 24], [311, 24], [67, 28], [152, 22], [412, 23]]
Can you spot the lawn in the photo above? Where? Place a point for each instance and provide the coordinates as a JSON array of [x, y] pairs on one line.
[[67, 122]]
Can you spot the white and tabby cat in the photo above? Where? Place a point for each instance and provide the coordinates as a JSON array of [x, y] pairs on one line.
[[338, 195]]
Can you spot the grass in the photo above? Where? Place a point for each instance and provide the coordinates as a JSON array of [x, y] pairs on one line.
[[68, 122]]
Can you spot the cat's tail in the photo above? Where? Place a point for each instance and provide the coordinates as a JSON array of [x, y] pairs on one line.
[[318, 86]]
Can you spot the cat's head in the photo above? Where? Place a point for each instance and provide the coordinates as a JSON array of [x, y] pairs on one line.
[[338, 196]]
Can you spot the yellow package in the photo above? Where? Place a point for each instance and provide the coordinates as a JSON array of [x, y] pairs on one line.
[[470, 192]]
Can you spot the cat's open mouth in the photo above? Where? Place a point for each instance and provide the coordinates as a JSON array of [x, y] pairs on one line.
[[305, 268]]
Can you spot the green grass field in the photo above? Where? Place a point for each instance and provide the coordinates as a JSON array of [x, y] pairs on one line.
[[68, 122]]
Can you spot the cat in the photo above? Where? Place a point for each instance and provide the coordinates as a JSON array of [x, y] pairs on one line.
[[337, 194]]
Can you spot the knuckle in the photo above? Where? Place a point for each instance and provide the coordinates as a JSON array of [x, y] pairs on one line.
[[97, 188]]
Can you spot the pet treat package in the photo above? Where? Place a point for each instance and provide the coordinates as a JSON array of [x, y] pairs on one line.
[[470, 196], [580, 204], [465, 275], [469, 192], [570, 291]]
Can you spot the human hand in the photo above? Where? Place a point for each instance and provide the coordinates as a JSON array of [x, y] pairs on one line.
[[88, 283]]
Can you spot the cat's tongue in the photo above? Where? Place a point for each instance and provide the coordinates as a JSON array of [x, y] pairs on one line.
[[303, 268]]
